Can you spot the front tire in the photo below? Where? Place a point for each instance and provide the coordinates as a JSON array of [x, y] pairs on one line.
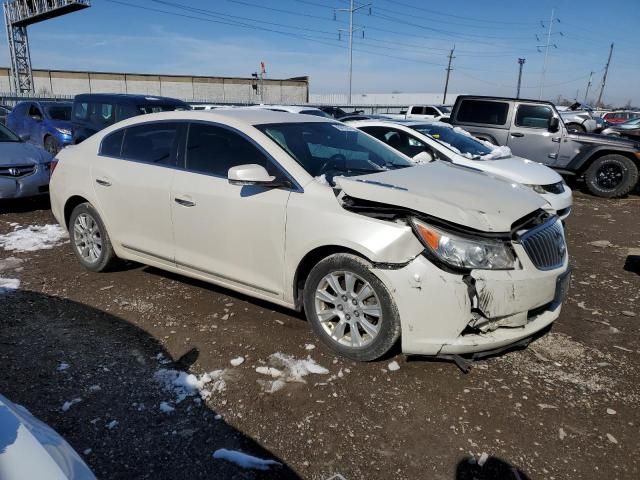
[[350, 309], [611, 176], [90, 240]]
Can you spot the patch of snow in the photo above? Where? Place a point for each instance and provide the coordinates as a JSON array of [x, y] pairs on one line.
[[166, 408], [309, 346], [8, 284], [237, 361], [67, 405], [497, 152], [95, 388], [611, 411], [611, 438], [243, 460], [483, 459], [33, 238], [112, 424], [185, 385], [62, 366], [393, 366], [10, 263], [87, 451], [562, 434], [286, 369]]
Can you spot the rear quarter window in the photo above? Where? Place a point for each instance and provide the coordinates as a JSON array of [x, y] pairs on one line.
[[482, 111], [112, 144]]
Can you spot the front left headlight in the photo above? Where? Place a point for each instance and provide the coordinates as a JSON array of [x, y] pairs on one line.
[[64, 131], [465, 252], [537, 188]]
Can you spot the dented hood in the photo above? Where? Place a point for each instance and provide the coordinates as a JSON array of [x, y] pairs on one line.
[[453, 193]]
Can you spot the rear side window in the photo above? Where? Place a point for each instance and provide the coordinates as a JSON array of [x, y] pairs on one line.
[[98, 114], [533, 116], [112, 144], [155, 143], [80, 111], [214, 150], [430, 111], [481, 111], [417, 110]]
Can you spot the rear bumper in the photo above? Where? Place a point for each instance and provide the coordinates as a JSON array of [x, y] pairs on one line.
[[28, 186]]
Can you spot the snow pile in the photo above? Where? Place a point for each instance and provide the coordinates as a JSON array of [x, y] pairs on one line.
[[285, 368], [34, 238], [67, 405], [236, 362], [497, 152], [10, 263], [185, 385], [8, 285], [243, 460], [322, 179]]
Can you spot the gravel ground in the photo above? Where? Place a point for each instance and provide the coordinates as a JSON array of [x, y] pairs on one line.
[[565, 407]]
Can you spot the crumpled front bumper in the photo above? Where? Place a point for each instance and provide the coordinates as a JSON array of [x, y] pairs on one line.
[[446, 313], [31, 185]]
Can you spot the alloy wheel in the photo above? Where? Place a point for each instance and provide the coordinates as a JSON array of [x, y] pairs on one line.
[[609, 176], [87, 238]]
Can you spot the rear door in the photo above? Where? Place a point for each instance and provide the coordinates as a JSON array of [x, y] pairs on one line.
[[132, 179], [230, 233], [529, 136]]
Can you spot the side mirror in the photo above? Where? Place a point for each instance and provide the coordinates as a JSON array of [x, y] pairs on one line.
[[251, 174], [423, 157], [554, 124], [24, 137]]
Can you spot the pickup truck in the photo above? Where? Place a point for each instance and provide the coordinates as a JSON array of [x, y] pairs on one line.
[[422, 112], [535, 130]]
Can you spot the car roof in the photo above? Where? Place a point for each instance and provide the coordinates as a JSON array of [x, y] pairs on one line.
[[393, 122], [288, 108], [127, 98], [504, 99]]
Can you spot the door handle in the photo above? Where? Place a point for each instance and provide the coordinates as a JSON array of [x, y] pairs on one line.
[[103, 182], [555, 139], [517, 134], [184, 202]]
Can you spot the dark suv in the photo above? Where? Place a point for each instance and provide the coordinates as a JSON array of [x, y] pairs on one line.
[[94, 111], [534, 130]]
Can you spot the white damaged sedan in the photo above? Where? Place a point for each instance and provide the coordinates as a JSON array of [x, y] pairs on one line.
[[312, 214]]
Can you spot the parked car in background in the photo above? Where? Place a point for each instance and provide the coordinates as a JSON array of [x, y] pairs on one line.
[[629, 129], [426, 142], [24, 168], [335, 112], [363, 116], [94, 111], [207, 106], [4, 111], [304, 110], [45, 124], [371, 245], [615, 118], [578, 118], [31, 449], [534, 130], [423, 112]]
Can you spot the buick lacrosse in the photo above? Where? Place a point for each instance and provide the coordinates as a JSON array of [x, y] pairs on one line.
[[317, 216]]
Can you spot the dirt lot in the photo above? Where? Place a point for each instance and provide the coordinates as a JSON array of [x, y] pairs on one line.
[[564, 408]]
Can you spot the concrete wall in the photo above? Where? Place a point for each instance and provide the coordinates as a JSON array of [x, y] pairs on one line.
[[185, 87], [399, 99]]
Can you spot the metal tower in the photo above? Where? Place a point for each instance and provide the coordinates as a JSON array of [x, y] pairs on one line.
[[18, 14]]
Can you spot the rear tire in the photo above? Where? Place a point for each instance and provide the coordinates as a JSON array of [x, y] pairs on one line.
[[350, 309], [90, 240], [611, 176]]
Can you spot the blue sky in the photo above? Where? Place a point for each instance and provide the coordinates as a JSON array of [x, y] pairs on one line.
[[403, 50]]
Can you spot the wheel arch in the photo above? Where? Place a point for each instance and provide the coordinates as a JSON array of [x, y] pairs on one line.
[[71, 203], [309, 261], [603, 152]]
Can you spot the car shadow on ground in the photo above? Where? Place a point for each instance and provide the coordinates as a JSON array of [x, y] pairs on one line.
[[23, 205], [491, 468], [53, 350]]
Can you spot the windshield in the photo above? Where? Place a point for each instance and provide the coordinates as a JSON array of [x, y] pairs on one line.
[[465, 144], [445, 109], [58, 112], [333, 149], [7, 135]]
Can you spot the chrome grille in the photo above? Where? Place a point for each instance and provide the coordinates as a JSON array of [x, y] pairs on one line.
[[17, 171], [545, 245]]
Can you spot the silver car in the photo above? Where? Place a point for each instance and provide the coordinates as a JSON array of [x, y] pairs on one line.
[[24, 168]]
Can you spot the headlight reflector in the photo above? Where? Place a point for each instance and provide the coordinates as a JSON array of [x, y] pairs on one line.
[[465, 252]]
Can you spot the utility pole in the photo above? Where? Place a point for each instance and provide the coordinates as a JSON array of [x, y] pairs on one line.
[[588, 87], [353, 8], [521, 62], [446, 84], [546, 50], [604, 77]]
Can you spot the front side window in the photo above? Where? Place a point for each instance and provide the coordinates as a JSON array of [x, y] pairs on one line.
[[80, 111], [213, 150], [155, 108], [34, 111], [155, 143], [483, 111], [417, 110], [430, 111], [398, 139], [533, 116], [58, 112], [333, 149]]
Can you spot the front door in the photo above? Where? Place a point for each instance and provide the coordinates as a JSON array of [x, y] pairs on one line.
[[234, 234], [529, 136], [132, 179]]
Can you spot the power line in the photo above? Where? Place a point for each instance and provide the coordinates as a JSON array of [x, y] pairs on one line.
[[353, 8]]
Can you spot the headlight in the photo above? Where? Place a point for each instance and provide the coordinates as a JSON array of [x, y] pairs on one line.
[[555, 188], [537, 188], [465, 252], [64, 131]]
